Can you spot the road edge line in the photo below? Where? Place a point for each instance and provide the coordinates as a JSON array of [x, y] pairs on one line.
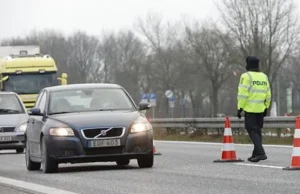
[[31, 187], [260, 165], [19, 188]]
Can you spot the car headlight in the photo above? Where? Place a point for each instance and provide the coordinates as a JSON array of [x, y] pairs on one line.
[[22, 127], [140, 127], [61, 131]]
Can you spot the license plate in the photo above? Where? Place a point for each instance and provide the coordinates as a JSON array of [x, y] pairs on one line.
[[105, 143], [5, 138]]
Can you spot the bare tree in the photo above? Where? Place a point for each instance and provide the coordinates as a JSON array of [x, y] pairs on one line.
[[107, 53], [161, 39], [131, 59], [265, 28], [83, 57], [212, 59]]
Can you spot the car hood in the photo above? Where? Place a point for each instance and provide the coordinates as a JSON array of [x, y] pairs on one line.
[[97, 119], [12, 119]]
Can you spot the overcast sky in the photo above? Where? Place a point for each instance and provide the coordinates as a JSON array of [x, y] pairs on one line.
[[19, 17]]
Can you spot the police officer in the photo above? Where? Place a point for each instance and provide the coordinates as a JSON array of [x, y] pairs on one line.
[[254, 98]]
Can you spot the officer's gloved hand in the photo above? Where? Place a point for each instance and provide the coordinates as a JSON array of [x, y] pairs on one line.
[[239, 113], [265, 112]]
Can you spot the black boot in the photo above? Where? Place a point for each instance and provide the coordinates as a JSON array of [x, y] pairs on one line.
[[258, 158]]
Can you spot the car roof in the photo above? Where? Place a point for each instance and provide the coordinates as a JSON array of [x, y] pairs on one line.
[[80, 86], [7, 92]]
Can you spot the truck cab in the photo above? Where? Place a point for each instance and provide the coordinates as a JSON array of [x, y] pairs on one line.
[[26, 75]]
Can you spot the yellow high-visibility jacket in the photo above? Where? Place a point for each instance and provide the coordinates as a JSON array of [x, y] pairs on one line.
[[254, 92]]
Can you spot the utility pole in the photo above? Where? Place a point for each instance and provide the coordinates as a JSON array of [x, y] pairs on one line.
[[278, 93]]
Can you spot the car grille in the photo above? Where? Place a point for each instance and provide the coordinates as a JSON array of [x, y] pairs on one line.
[[112, 132], [7, 129], [99, 151]]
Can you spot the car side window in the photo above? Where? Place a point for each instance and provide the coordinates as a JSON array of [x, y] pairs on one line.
[[38, 99], [43, 102]]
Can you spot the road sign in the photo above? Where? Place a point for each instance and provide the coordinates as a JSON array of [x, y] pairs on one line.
[[171, 102], [169, 93], [153, 99], [144, 98]]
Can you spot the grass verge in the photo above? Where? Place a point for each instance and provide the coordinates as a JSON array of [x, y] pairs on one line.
[[241, 139]]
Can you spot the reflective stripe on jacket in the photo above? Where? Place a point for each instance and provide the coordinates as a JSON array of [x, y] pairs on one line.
[[254, 93]]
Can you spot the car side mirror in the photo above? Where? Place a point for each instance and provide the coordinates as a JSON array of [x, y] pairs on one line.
[[144, 106], [35, 111]]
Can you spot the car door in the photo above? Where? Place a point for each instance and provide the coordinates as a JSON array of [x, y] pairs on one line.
[[30, 130], [31, 133], [38, 124]]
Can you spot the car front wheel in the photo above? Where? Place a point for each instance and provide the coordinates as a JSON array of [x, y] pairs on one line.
[[49, 165], [30, 165], [146, 161]]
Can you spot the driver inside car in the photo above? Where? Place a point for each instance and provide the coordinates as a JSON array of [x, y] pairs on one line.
[[9, 103], [61, 105], [101, 102]]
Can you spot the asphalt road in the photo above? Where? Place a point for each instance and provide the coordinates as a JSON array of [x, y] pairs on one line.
[[182, 168], [10, 190]]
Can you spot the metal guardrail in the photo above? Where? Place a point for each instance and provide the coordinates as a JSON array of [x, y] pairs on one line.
[[212, 123]]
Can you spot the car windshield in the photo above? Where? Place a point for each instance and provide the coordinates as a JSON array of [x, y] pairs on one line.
[[9, 104], [29, 83], [89, 99]]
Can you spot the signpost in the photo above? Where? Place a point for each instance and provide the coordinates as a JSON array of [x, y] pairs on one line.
[[171, 105], [153, 103], [289, 100], [182, 102], [169, 94]]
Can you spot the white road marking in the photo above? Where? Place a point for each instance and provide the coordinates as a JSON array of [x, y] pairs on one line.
[[31, 187], [259, 165], [212, 143]]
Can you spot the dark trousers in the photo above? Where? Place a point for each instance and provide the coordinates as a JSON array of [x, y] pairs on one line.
[[254, 124]]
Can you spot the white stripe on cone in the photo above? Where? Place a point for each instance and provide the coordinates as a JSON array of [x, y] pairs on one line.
[[227, 132], [296, 151], [297, 133], [228, 147]]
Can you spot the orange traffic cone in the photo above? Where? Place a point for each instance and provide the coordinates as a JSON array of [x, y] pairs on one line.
[[228, 150], [295, 160], [155, 151]]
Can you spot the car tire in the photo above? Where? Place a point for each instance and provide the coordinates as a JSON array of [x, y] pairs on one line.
[[30, 165], [146, 161], [20, 150], [123, 162], [49, 164]]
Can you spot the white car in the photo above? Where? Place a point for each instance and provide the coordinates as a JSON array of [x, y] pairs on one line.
[[13, 122]]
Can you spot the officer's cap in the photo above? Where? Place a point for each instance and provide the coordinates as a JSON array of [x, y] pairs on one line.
[[252, 63]]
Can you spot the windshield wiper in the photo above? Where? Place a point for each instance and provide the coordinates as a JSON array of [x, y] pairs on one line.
[[8, 110], [112, 109], [23, 93], [62, 112]]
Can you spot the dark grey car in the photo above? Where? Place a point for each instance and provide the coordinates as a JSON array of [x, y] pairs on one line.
[[87, 123], [13, 122]]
